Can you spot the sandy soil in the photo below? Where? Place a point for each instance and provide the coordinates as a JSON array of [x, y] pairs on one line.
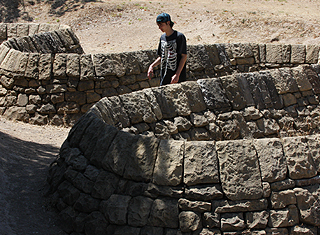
[[115, 26]]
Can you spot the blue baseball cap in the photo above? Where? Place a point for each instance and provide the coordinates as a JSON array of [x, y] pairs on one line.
[[163, 17]]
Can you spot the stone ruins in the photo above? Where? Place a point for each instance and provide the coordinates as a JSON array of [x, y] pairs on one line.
[[234, 150]]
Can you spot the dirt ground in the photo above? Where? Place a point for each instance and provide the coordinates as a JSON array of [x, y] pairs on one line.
[[116, 26]]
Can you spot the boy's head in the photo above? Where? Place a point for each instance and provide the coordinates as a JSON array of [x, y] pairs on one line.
[[164, 18]]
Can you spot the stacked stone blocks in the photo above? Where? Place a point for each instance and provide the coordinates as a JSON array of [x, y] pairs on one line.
[[158, 162], [46, 62]]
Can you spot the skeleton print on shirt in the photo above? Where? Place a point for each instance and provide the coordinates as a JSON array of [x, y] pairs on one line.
[[170, 50], [169, 56]]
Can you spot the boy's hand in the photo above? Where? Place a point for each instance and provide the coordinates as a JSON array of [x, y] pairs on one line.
[[150, 72], [175, 79]]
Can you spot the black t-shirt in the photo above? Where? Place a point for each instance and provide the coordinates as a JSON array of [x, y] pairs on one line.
[[170, 50]]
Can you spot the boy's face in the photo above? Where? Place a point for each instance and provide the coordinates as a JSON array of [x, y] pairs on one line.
[[164, 26]]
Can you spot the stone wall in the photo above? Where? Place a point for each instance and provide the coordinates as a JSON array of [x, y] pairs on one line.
[[234, 150], [47, 79], [229, 155]]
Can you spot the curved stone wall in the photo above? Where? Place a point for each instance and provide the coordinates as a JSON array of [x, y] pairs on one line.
[[235, 150], [47, 79], [230, 155]]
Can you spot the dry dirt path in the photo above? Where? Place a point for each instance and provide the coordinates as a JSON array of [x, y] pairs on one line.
[[26, 151]]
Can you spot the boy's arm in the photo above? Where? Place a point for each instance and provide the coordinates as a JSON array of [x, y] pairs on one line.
[[154, 64], [175, 78]]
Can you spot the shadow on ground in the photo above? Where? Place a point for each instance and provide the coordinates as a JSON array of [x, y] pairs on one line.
[[23, 169]]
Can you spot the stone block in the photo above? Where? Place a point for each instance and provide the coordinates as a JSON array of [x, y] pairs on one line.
[[123, 230], [149, 230], [172, 101], [164, 213], [284, 218], [298, 54], [298, 229], [7, 82], [301, 79], [232, 222], [143, 59], [93, 97], [95, 223], [139, 210], [22, 30], [267, 77], [73, 65], [3, 31], [213, 94], [33, 28], [314, 149], [196, 206], [115, 209], [257, 220], [272, 162], [138, 107], [32, 68], [85, 85], [105, 185], [282, 199], [262, 52], [83, 184], [11, 30], [299, 160], [22, 100], [189, 221], [194, 95], [284, 81], [313, 79], [213, 54], [3, 52], [114, 110], [312, 54], [239, 157], [225, 206], [45, 66], [278, 53], [108, 64], [130, 62], [233, 92], [68, 192], [169, 163], [204, 192], [200, 163], [259, 90], [11, 61], [211, 220], [308, 204], [86, 67], [86, 203], [283, 185], [198, 58], [60, 65]]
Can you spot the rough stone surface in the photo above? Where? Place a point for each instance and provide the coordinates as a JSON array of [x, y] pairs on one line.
[[200, 163], [168, 166], [238, 160], [271, 159], [189, 221], [299, 160]]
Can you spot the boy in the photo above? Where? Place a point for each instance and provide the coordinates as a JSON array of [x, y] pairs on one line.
[[172, 52]]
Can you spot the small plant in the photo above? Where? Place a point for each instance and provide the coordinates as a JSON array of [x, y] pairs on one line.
[[58, 20]]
